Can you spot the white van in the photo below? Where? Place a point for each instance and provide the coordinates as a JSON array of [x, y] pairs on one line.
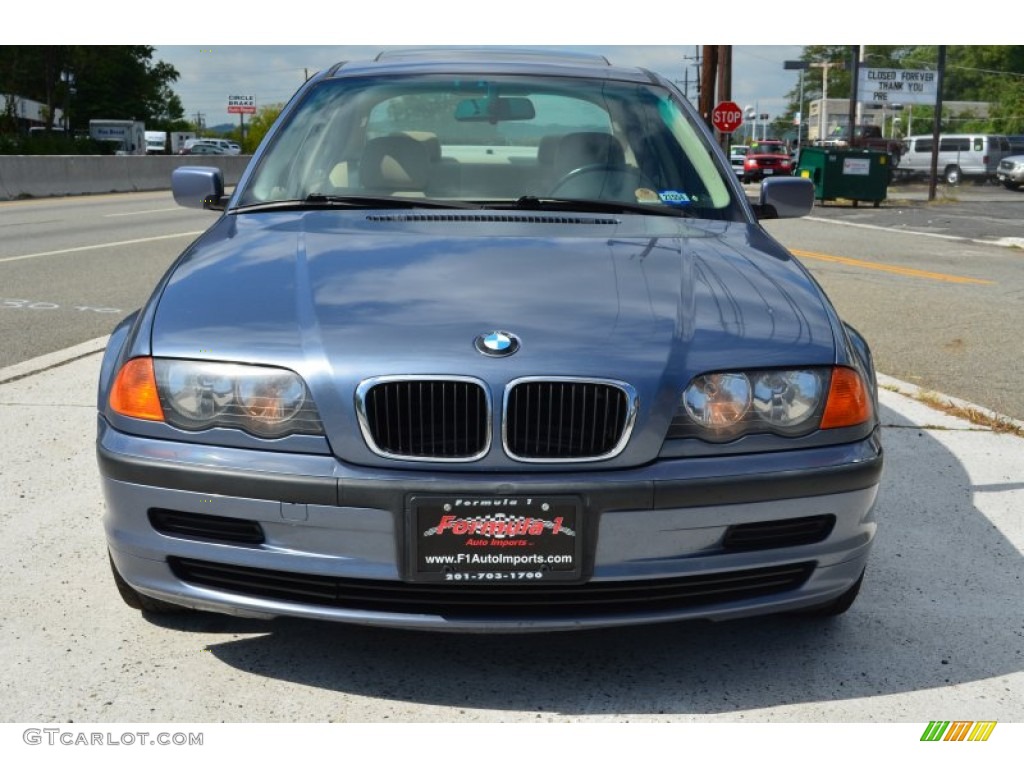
[[961, 156]]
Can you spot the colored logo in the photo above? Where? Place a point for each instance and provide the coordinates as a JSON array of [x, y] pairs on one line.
[[958, 730], [497, 344]]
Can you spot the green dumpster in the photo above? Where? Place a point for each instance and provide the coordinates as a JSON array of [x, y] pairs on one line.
[[848, 174]]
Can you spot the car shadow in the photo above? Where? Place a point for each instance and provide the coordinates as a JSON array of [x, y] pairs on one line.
[[940, 607]]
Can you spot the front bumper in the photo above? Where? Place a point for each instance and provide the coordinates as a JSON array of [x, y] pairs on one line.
[[1015, 176], [333, 536]]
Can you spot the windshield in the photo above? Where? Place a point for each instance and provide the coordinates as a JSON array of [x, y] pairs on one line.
[[489, 141], [769, 148]]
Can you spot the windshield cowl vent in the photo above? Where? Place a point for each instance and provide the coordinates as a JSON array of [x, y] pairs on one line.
[[489, 218]]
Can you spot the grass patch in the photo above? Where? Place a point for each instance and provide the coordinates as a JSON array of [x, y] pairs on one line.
[[973, 415]]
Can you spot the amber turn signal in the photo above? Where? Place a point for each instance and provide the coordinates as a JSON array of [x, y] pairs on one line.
[[849, 402], [134, 392]]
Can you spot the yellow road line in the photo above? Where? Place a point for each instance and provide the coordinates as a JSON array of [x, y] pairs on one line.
[[905, 271]]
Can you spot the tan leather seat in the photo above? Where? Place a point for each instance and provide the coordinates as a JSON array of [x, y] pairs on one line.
[[394, 165]]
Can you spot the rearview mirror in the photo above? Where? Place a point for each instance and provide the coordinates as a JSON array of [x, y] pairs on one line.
[[494, 110]]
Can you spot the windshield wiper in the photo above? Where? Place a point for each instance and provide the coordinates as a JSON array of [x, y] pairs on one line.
[[590, 205], [318, 201]]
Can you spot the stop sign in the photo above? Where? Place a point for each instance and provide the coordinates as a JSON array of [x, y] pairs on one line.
[[727, 117]]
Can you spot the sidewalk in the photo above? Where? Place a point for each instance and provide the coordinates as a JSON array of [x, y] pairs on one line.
[[936, 632]]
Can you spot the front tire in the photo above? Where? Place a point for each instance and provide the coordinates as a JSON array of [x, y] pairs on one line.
[[953, 175], [139, 601], [1013, 185], [836, 607]]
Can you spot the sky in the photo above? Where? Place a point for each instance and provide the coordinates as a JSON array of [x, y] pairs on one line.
[[272, 73], [267, 50]]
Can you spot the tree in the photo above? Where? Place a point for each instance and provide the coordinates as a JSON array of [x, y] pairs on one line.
[[258, 126], [986, 73], [111, 81]]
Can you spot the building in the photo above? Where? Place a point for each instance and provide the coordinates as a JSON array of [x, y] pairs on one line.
[[28, 113], [834, 120]]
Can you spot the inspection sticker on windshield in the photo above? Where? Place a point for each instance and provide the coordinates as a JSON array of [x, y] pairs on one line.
[[499, 540], [670, 197]]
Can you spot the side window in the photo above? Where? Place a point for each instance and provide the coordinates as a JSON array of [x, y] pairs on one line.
[[979, 144]]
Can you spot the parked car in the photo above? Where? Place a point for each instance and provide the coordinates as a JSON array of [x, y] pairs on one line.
[[226, 147], [767, 158], [737, 154], [200, 148], [1010, 172], [488, 341]]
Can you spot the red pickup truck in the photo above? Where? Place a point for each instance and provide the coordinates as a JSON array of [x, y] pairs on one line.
[[767, 158]]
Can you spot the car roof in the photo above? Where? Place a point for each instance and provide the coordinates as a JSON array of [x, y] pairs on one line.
[[490, 61]]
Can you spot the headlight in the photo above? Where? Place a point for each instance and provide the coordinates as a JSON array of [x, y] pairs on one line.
[[196, 395], [725, 406], [267, 402], [785, 400], [718, 402]]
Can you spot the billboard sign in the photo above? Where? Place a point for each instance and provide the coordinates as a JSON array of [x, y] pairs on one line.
[[897, 86], [241, 105]]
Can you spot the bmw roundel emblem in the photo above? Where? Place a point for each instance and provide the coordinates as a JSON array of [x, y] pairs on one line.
[[496, 343]]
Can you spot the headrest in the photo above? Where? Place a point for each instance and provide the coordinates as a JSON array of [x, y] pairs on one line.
[[394, 163]]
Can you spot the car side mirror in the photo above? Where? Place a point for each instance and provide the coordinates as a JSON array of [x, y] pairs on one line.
[[196, 186], [785, 197]]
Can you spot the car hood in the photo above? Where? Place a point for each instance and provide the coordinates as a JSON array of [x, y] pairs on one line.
[[341, 297]]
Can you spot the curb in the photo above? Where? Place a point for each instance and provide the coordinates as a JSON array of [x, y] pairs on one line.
[[917, 393], [43, 363]]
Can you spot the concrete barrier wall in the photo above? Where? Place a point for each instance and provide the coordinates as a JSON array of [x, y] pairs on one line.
[[24, 176]]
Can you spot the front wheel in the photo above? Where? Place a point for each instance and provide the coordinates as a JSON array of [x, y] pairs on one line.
[[139, 601], [836, 607], [1011, 184], [952, 175]]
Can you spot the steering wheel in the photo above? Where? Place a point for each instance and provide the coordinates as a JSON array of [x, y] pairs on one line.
[[618, 182]]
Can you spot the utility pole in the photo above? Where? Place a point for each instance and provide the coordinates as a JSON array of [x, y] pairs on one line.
[[724, 85], [855, 67], [686, 73], [937, 124], [825, 66], [708, 72]]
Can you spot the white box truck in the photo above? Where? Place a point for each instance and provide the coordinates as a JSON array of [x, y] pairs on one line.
[[127, 136], [156, 142]]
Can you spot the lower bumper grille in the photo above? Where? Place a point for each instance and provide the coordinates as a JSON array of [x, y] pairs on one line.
[[778, 533], [189, 525], [595, 598]]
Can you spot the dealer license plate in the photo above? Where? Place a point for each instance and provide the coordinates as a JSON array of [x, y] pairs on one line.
[[495, 540]]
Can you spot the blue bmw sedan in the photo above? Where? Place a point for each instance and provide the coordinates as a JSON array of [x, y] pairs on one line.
[[488, 341]]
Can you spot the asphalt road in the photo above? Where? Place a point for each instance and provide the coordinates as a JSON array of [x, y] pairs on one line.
[[935, 287], [70, 268]]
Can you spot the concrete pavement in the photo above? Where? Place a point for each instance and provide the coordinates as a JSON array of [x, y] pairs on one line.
[[938, 632]]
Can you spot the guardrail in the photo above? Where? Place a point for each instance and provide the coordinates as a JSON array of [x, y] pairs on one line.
[[24, 176]]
